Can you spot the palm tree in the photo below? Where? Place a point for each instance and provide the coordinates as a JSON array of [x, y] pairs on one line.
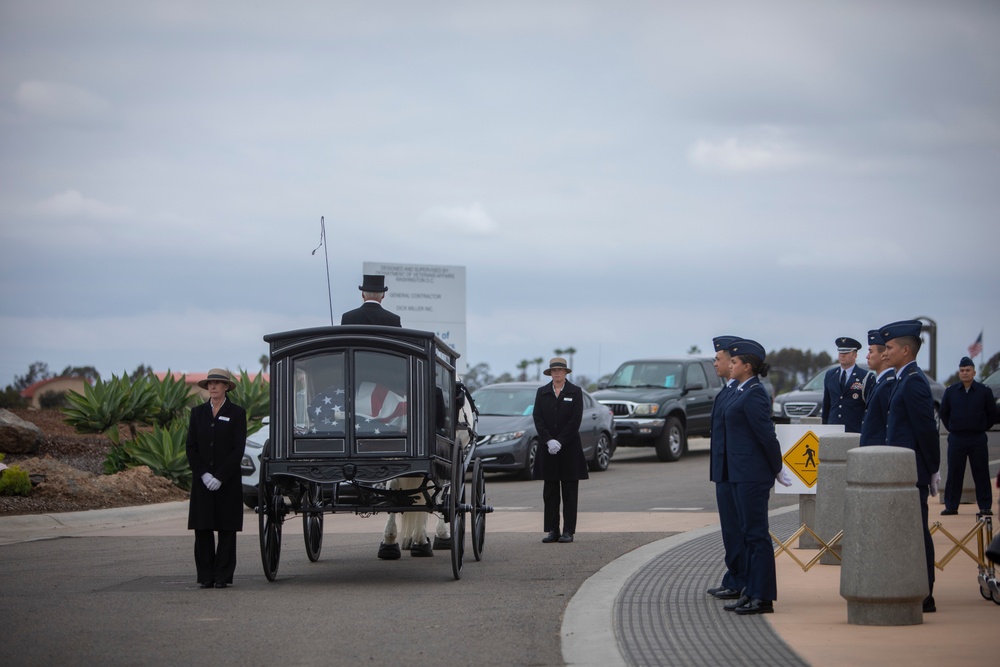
[[570, 351], [263, 361], [523, 366], [538, 370]]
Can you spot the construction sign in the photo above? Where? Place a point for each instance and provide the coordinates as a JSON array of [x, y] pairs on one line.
[[800, 453]]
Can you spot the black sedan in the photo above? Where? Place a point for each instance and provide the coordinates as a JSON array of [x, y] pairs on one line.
[[508, 441]]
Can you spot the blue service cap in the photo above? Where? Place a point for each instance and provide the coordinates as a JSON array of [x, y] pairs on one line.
[[723, 342], [966, 362], [847, 344], [875, 337], [901, 328], [747, 346]]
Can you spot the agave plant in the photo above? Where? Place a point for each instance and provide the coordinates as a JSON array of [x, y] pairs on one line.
[[254, 396], [173, 397], [98, 410], [139, 404], [164, 451]]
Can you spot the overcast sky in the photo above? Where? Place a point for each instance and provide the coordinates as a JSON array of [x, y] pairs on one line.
[[626, 178]]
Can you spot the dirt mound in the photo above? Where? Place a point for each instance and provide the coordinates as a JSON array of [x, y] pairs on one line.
[[69, 473]]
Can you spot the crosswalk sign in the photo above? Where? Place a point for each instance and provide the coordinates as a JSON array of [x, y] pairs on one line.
[[802, 458]]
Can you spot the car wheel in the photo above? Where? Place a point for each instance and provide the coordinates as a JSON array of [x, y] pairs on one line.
[[672, 442], [602, 454], [529, 463]]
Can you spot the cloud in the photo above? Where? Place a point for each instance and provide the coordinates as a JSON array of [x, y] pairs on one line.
[[73, 204], [63, 102], [472, 220], [734, 154]]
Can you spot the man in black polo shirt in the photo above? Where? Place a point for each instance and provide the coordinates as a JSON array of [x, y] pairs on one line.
[[968, 410]]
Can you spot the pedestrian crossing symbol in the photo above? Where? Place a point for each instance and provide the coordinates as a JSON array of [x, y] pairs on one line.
[[802, 458]]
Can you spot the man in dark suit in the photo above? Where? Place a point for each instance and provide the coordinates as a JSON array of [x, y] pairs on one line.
[[877, 411], [844, 388], [911, 424], [968, 411], [734, 580], [371, 311]]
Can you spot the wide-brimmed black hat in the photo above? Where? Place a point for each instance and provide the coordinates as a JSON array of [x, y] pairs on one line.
[[220, 374], [373, 283], [556, 363]]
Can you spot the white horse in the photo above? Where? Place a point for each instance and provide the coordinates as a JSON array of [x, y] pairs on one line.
[[413, 531]]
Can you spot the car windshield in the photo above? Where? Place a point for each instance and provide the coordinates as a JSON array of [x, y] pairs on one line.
[[648, 374], [505, 402], [993, 380], [816, 382]]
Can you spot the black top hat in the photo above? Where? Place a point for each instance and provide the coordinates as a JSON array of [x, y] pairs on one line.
[[373, 283]]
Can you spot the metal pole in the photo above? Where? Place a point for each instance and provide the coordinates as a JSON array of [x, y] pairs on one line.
[[326, 254]]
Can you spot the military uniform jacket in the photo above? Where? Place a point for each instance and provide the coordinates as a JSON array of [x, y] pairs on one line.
[[911, 421], [846, 406], [874, 423], [968, 413], [559, 418], [752, 450], [371, 312], [215, 445], [717, 464]]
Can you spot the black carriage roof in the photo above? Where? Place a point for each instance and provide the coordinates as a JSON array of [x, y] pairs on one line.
[[373, 333]]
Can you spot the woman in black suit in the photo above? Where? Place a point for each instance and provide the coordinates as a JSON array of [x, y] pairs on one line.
[[753, 462], [217, 435], [559, 462]]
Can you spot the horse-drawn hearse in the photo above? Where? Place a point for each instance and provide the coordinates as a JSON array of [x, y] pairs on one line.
[[368, 419]]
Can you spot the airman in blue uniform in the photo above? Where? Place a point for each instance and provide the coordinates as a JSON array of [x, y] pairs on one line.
[[734, 580], [911, 424], [877, 398], [844, 388]]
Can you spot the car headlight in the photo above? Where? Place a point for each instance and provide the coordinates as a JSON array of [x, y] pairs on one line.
[[505, 437], [646, 409], [776, 409]]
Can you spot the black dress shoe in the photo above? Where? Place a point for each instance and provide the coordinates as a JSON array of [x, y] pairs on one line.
[[929, 606], [566, 538], [986, 512], [207, 584], [733, 606], [726, 594], [948, 512], [552, 536], [713, 591], [756, 606], [221, 584]]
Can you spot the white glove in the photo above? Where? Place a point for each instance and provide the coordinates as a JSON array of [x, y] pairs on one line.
[[935, 483], [211, 483], [784, 478], [554, 446]]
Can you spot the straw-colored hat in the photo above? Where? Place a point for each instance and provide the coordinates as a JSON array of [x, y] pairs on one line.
[[220, 374], [557, 362]]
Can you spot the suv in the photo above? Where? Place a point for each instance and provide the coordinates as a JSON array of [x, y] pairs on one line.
[[660, 402]]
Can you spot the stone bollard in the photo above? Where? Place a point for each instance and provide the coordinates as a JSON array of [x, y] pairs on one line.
[[884, 574], [831, 479]]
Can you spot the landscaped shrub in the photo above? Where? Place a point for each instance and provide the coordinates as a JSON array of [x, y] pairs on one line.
[[164, 451], [14, 482]]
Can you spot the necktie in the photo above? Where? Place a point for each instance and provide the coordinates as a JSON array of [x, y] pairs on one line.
[[843, 380]]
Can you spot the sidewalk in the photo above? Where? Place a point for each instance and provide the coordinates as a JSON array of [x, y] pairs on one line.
[[649, 607]]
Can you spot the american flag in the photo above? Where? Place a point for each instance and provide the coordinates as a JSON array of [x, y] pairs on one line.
[[977, 347], [326, 412], [377, 409]]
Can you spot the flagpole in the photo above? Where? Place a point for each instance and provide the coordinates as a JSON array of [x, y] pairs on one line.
[[322, 242]]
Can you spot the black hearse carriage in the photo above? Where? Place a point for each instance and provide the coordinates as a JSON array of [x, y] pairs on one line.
[[353, 408]]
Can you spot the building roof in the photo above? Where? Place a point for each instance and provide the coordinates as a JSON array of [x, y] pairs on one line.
[[31, 390]]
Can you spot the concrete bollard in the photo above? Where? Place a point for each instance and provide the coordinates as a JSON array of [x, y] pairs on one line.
[[884, 574], [830, 482]]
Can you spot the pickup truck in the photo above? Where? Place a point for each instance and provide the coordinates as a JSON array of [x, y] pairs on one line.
[[660, 402]]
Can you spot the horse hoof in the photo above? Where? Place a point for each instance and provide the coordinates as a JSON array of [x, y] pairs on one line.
[[422, 550], [388, 551], [442, 544], [407, 543]]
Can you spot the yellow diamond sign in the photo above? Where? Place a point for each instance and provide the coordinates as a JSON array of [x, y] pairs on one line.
[[802, 458]]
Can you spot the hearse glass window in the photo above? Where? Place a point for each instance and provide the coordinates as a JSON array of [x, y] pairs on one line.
[[380, 388], [444, 401], [320, 398]]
